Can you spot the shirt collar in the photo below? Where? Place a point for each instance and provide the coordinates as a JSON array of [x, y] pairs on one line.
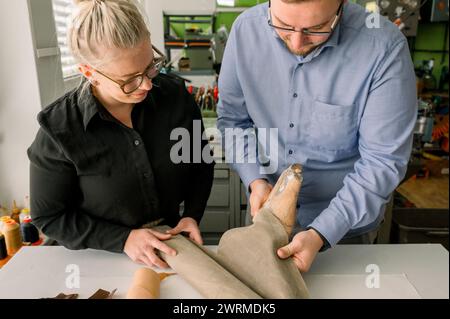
[[333, 41], [87, 104], [90, 106]]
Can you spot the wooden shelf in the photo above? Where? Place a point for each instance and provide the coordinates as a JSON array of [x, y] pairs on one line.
[[429, 192]]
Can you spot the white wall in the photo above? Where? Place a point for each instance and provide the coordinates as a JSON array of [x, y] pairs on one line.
[[19, 99]]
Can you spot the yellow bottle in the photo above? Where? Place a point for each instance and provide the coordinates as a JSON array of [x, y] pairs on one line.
[[3, 219], [11, 231]]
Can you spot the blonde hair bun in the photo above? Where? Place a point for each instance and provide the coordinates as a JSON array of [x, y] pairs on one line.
[[101, 24], [78, 2]]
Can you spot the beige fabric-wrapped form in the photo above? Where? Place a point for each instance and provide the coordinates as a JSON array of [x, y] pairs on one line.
[[203, 272], [247, 264], [251, 254], [146, 283]]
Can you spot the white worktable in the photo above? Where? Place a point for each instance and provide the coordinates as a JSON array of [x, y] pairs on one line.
[[406, 271]]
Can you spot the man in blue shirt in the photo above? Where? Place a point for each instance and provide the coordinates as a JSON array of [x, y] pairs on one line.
[[338, 83]]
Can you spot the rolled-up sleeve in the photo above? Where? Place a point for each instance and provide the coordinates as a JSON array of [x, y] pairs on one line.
[[385, 143]]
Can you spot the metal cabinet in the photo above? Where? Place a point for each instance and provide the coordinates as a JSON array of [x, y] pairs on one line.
[[224, 208]]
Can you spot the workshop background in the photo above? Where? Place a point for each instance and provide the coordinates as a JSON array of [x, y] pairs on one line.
[[38, 69]]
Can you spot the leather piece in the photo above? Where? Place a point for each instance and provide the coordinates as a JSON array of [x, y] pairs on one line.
[[64, 296], [99, 294], [103, 294]]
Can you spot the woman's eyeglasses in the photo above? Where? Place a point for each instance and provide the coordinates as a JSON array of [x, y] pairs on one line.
[[135, 82]]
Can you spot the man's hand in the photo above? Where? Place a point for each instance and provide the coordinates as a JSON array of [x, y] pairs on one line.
[[260, 190], [141, 244], [303, 248], [190, 226]]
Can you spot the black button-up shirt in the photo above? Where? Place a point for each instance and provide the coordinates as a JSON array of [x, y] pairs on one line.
[[93, 179]]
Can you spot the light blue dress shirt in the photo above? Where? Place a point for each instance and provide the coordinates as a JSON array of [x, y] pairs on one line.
[[346, 112]]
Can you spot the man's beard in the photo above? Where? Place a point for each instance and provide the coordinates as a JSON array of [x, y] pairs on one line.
[[305, 51]]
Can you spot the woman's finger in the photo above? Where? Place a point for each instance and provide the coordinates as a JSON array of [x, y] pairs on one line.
[[164, 248], [175, 231], [156, 260], [196, 236], [159, 235], [144, 260]]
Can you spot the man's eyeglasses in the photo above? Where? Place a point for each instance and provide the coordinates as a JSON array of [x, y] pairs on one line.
[[307, 31], [135, 82]]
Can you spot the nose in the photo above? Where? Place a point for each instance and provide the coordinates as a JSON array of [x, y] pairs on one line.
[[146, 84], [298, 40]]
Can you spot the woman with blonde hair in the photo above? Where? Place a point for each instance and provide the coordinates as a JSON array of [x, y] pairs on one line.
[[101, 168]]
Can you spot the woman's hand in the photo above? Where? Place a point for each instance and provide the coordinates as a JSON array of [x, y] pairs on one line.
[[141, 244], [190, 226]]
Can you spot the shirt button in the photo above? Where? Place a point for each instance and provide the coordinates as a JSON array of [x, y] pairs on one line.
[[291, 125], [295, 95], [137, 142], [291, 152]]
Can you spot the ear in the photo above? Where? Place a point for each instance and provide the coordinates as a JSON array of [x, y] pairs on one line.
[[85, 70]]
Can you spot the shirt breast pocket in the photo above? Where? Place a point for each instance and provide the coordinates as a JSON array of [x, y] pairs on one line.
[[93, 166], [332, 127], [90, 159]]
